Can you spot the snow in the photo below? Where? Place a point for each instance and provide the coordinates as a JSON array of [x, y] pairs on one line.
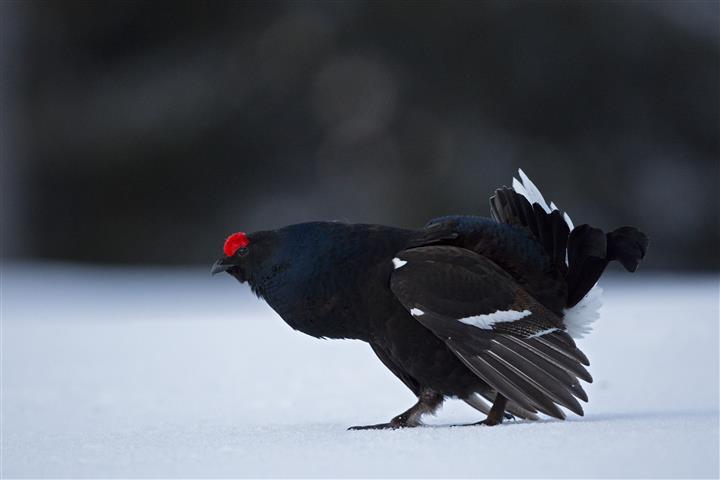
[[165, 373]]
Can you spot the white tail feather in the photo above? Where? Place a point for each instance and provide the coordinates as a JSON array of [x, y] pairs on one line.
[[527, 189], [533, 191], [579, 319], [518, 187]]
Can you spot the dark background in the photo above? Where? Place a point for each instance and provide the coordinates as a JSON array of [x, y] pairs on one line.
[[145, 132]]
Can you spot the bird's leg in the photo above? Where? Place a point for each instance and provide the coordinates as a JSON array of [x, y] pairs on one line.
[[497, 412], [428, 402], [495, 416]]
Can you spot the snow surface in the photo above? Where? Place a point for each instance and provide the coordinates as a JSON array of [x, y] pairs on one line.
[[170, 373]]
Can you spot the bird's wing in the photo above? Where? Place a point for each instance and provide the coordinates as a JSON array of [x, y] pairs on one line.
[[495, 328]]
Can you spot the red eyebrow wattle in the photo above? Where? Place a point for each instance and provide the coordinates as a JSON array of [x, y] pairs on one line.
[[235, 242]]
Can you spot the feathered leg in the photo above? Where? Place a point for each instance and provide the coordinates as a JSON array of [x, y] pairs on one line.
[[428, 402]]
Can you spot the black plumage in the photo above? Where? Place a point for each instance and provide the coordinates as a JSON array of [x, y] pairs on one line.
[[467, 307]]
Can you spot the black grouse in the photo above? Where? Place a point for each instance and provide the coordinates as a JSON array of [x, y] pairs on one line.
[[481, 309]]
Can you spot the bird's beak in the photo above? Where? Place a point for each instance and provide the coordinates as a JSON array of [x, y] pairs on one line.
[[222, 265]]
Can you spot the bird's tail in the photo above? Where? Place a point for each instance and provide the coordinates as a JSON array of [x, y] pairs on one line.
[[588, 251]]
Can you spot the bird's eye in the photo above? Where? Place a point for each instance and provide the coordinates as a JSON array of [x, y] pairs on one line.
[[242, 252]]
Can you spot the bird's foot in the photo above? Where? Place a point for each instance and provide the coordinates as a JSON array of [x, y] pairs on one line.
[[497, 413], [428, 402], [401, 421], [379, 426], [488, 422]]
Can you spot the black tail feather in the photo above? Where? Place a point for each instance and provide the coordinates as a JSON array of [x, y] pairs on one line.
[[590, 250], [550, 229], [627, 245]]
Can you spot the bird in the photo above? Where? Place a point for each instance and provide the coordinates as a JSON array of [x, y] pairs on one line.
[[481, 309]]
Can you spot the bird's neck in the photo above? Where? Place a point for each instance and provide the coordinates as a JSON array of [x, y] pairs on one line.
[[330, 290]]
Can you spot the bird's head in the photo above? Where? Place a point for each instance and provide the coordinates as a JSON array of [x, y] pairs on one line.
[[262, 259], [244, 255], [235, 261]]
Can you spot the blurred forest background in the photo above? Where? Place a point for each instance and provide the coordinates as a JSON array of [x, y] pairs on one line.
[[145, 132]]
